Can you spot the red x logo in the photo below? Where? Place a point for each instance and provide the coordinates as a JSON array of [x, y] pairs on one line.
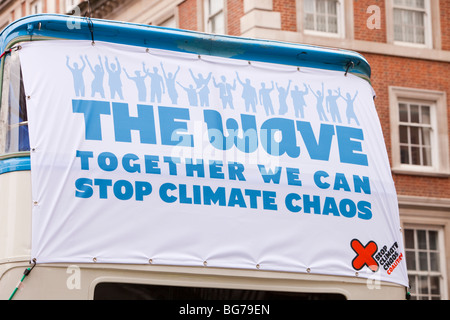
[[364, 255]]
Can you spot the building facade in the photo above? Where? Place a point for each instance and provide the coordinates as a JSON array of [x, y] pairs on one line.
[[406, 42]]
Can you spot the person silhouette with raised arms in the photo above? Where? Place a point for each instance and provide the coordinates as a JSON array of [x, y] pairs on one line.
[[170, 84], [191, 93], [115, 84], [202, 85], [350, 112], [99, 73], [332, 107], [298, 99], [248, 94], [77, 73], [319, 96], [139, 80], [225, 91], [282, 96], [264, 98], [157, 87]]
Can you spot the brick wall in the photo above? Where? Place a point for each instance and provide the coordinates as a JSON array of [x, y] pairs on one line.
[[235, 10], [187, 15], [410, 73], [360, 16], [444, 9], [287, 8]]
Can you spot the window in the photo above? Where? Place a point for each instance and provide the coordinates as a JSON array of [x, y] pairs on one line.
[[215, 18], [36, 7], [419, 131], [13, 111], [411, 21], [423, 248], [415, 133], [324, 16], [135, 291]]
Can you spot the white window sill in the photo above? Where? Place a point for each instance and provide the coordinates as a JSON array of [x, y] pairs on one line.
[[419, 171]]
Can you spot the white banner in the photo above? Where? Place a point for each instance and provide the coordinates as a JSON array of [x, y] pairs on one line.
[[150, 156]]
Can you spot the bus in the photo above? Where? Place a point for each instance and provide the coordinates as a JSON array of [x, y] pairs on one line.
[[144, 162]]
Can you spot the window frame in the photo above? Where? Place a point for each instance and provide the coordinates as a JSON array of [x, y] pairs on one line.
[[208, 17], [419, 125], [441, 259], [428, 25], [341, 23], [439, 132]]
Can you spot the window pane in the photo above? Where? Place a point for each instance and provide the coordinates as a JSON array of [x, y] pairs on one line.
[[321, 15], [320, 6], [423, 261], [13, 112], [332, 24], [419, 19], [434, 285], [403, 110], [426, 136], [414, 109], [332, 8], [309, 21], [420, 35], [434, 261], [426, 154], [425, 114], [432, 240], [398, 25], [403, 134], [398, 33], [218, 24], [410, 260], [404, 154], [423, 285], [309, 5], [422, 239], [420, 4], [409, 239], [321, 23], [414, 135]]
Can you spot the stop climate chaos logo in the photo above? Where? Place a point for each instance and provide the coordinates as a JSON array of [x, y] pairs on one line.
[[369, 255]]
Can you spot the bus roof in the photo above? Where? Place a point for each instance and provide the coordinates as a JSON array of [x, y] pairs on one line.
[[56, 26]]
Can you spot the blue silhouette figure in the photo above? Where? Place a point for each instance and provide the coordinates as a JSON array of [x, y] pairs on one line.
[[319, 96], [350, 112], [202, 84], [115, 84], [77, 73], [157, 84], [225, 91], [170, 84], [248, 94], [282, 96], [298, 99], [139, 80], [332, 106], [191, 93], [264, 98], [99, 73]]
